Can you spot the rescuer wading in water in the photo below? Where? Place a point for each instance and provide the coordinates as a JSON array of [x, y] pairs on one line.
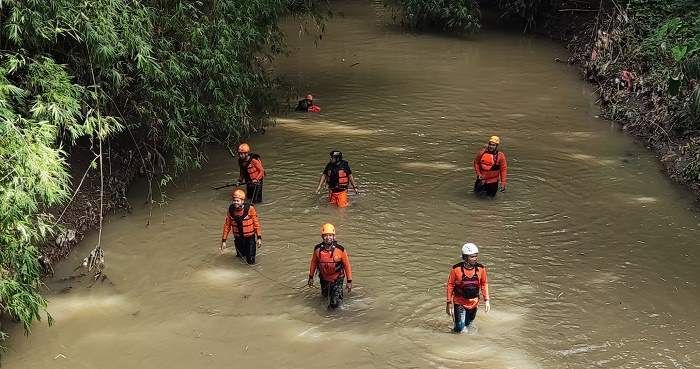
[[333, 265], [338, 176], [242, 219], [490, 168], [463, 285]]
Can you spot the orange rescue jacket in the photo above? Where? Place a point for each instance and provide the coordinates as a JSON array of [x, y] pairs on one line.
[[463, 282], [252, 169], [331, 264], [244, 222], [490, 167]]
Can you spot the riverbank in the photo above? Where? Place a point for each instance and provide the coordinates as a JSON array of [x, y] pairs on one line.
[[643, 84]]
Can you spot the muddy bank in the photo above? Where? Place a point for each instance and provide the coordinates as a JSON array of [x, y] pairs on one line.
[[627, 93], [122, 164]]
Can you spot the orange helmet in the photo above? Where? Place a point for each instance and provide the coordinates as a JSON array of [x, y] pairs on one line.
[[327, 229], [244, 148], [495, 139], [309, 97], [238, 194]]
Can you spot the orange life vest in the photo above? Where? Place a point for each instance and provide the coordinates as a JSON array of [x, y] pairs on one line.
[[338, 179], [489, 161], [249, 171], [330, 263], [244, 223]]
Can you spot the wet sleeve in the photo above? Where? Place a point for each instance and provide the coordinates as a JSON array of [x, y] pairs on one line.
[[256, 222], [504, 168], [348, 171], [327, 168], [346, 266], [449, 287], [483, 280], [476, 162], [258, 165], [227, 228], [314, 264]]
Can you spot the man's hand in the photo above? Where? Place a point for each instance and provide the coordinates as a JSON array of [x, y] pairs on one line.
[[349, 287], [503, 187], [310, 283], [258, 242], [448, 308], [487, 306], [222, 247], [356, 191]]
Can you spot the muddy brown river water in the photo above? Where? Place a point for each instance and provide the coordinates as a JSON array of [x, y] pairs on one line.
[[592, 253]]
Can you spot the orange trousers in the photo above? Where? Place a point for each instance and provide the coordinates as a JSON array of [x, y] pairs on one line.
[[339, 199]]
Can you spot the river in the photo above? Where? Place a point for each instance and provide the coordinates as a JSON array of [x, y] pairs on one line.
[[592, 252]]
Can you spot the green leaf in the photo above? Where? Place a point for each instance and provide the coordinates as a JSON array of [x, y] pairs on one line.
[[679, 52]]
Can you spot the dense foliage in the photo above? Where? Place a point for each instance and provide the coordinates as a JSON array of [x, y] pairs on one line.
[[658, 41], [457, 16], [180, 73]]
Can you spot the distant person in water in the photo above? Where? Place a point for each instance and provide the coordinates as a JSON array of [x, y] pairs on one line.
[[490, 168], [307, 105]]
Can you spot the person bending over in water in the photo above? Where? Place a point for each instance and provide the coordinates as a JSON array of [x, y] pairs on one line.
[[307, 105]]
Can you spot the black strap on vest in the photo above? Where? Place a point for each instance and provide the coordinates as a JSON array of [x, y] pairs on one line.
[[244, 168], [238, 219]]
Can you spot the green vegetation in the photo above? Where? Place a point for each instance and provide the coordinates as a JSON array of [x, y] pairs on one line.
[[457, 16], [179, 73], [658, 41]]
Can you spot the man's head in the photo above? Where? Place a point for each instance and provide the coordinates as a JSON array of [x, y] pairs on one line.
[[470, 252], [238, 197], [243, 150], [309, 99], [328, 234], [494, 141], [336, 156]]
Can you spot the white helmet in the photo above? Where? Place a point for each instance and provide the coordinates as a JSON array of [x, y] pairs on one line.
[[469, 249]]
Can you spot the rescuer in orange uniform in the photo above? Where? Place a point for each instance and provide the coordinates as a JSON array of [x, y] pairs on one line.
[[463, 285], [243, 220], [332, 262], [338, 176], [251, 172], [307, 105], [490, 168]]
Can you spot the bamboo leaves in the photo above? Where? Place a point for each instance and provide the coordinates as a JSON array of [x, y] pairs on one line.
[[182, 72]]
